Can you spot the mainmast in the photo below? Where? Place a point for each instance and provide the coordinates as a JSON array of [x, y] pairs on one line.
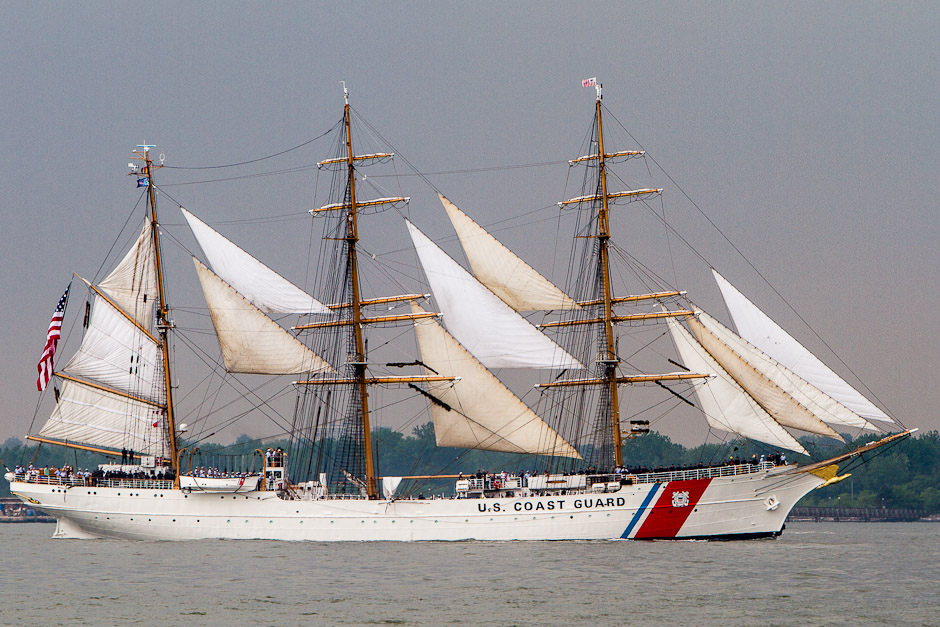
[[359, 365], [163, 323]]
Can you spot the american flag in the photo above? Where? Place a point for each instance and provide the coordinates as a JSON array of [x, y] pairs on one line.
[[52, 339], [589, 82]]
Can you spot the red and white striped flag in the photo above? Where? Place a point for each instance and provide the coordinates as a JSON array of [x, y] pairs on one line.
[[589, 82], [52, 339]]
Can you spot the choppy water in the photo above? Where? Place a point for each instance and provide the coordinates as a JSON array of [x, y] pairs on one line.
[[815, 574]]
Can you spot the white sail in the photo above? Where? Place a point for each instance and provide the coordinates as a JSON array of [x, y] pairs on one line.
[[482, 413], [91, 416], [725, 404], [756, 376], [491, 330], [116, 353], [132, 285], [262, 286], [823, 407], [251, 342], [518, 284], [758, 329]]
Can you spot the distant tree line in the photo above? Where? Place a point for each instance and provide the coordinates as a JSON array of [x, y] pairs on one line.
[[903, 475]]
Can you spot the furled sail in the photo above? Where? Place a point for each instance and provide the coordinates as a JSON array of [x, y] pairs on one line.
[[725, 404], [132, 285], [92, 416], [481, 412], [821, 406], [251, 342], [262, 286], [491, 330], [116, 353], [518, 284], [747, 370], [758, 329]]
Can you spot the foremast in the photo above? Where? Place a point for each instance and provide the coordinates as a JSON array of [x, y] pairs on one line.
[[163, 323], [603, 237], [608, 361]]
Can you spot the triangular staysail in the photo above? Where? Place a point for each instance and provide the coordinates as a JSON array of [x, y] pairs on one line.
[[491, 330], [262, 286], [481, 412], [518, 284], [758, 329], [251, 342], [732, 354], [725, 404], [132, 285], [823, 407]]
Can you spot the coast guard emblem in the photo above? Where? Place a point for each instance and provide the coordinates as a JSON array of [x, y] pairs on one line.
[[680, 499]]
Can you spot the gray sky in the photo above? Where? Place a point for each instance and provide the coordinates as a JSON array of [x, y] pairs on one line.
[[808, 133]]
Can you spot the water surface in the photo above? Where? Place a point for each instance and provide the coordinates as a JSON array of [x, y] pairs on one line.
[[815, 574]]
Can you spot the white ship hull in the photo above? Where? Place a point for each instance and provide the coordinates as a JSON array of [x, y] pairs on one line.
[[743, 506]]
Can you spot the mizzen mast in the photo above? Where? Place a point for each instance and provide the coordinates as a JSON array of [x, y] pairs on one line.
[[163, 322]]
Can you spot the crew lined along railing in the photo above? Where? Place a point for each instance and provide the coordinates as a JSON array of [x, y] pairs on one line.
[[149, 484], [700, 473]]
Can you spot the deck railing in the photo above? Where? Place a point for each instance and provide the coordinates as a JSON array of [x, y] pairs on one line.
[[148, 484], [700, 473]]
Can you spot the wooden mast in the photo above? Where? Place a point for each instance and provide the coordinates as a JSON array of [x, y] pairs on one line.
[[163, 324], [603, 235], [352, 237]]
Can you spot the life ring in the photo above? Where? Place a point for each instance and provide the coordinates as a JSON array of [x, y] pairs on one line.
[[772, 502]]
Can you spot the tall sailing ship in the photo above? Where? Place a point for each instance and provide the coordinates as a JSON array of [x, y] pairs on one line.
[[115, 395]]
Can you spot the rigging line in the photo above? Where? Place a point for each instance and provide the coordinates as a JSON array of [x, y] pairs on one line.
[[375, 132], [283, 217], [271, 156], [264, 404], [494, 168], [118, 238], [301, 168], [747, 261]]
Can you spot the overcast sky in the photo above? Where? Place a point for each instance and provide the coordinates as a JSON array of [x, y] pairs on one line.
[[809, 133]]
